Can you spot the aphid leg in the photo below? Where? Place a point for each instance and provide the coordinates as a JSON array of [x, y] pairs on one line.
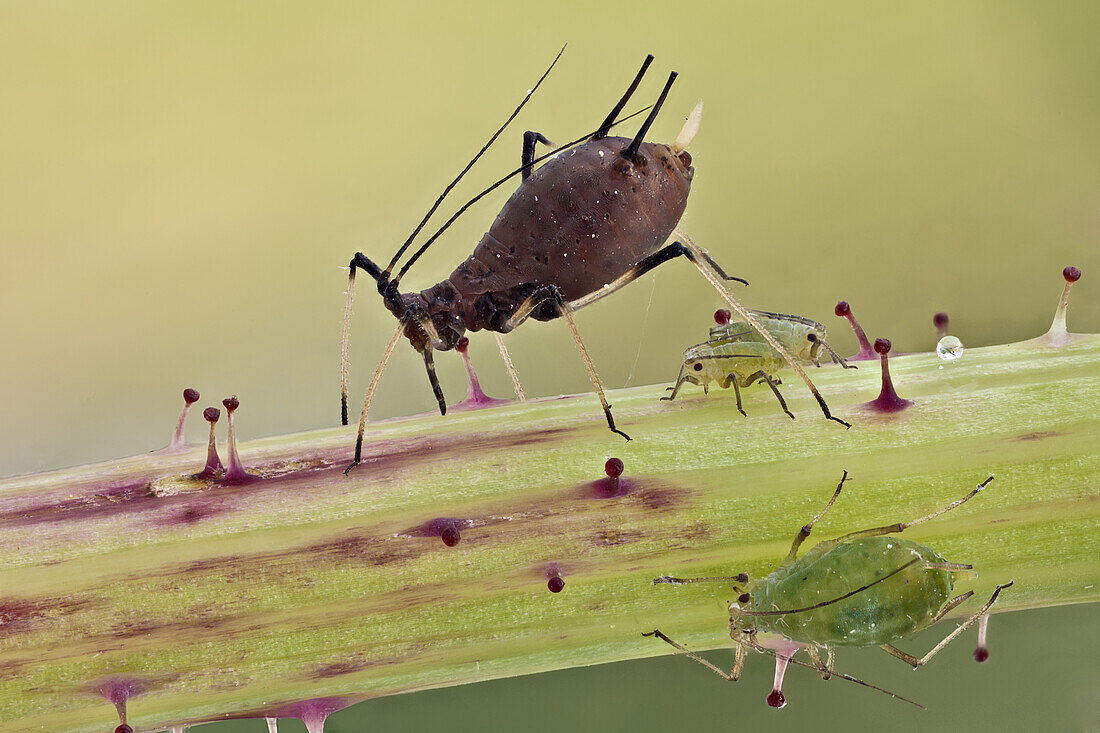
[[712, 278], [429, 366], [668, 579], [952, 604], [605, 126], [516, 384], [826, 667], [952, 567], [731, 676], [737, 394], [760, 375], [900, 526], [550, 294], [981, 652], [808, 527], [528, 154], [680, 382], [914, 662], [370, 395]]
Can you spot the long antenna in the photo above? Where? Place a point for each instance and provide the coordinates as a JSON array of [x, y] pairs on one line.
[[490, 189], [469, 165]]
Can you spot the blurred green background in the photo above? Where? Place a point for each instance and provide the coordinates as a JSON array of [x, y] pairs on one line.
[[182, 181]]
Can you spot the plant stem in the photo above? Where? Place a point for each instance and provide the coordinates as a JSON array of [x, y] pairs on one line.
[[215, 601]]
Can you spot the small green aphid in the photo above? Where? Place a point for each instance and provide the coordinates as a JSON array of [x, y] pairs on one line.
[[861, 589], [737, 356]]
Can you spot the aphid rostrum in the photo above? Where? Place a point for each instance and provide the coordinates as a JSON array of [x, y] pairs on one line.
[[580, 227], [737, 356], [864, 588]]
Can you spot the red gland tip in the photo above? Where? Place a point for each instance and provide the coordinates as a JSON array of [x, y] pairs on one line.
[[882, 346], [211, 414], [463, 344], [1071, 274], [722, 316], [613, 467], [450, 536], [555, 584], [776, 699], [940, 320], [124, 729], [981, 654], [231, 403], [842, 309], [190, 395]]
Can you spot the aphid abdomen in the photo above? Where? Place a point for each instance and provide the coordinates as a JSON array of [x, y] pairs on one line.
[[897, 607], [580, 221]]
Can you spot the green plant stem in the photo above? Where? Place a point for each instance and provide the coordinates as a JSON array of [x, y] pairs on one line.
[[228, 600]]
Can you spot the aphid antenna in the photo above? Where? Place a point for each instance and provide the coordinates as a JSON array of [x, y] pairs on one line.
[[949, 507], [808, 527], [464, 171], [834, 673], [668, 579], [837, 358], [716, 283], [873, 583]]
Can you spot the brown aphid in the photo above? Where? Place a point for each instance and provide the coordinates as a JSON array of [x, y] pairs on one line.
[[590, 221], [213, 463]]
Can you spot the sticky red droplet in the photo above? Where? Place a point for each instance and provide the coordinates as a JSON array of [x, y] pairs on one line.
[[882, 346], [555, 584], [940, 320], [190, 395], [463, 344], [211, 414], [124, 729], [981, 654], [231, 403], [1071, 274], [842, 308], [722, 316], [776, 699], [613, 467]]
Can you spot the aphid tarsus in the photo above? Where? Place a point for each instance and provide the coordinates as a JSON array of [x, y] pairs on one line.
[[864, 588]]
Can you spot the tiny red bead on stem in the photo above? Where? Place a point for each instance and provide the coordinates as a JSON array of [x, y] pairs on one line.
[[613, 467], [555, 584], [722, 316], [190, 395], [450, 536], [463, 344], [1071, 274], [124, 729], [776, 699]]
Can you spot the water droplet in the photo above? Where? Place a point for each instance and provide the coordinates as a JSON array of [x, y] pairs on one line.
[[949, 348]]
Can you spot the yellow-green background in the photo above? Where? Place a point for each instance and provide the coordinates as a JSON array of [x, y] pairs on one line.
[[179, 183]]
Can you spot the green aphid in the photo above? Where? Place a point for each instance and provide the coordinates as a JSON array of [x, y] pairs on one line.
[[737, 356], [864, 588]]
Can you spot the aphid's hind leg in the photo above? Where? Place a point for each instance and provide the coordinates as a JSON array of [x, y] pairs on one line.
[[669, 580], [550, 294], [774, 384], [901, 526], [914, 662], [731, 676], [528, 154], [808, 527], [737, 394]]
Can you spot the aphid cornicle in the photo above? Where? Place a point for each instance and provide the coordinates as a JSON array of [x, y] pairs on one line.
[[864, 588], [577, 229], [737, 356]]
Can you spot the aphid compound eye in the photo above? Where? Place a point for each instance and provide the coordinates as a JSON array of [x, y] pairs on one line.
[[697, 366], [722, 316], [744, 597], [812, 338], [614, 467]]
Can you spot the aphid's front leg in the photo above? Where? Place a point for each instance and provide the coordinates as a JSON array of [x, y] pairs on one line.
[[825, 668], [731, 676], [550, 294], [680, 381], [737, 394], [914, 662]]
